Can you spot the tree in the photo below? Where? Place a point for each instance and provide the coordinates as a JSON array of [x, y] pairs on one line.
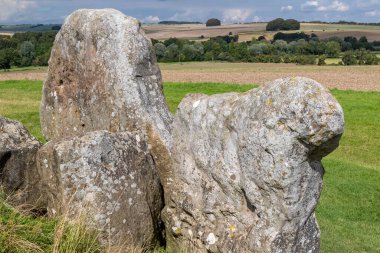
[[291, 36], [349, 58], [280, 45], [275, 25], [213, 22], [7, 43], [160, 50], [257, 49], [262, 38], [291, 24], [332, 49], [371, 59], [27, 52], [199, 50], [301, 46], [322, 60], [6, 58], [189, 52], [171, 52], [363, 39], [281, 24]]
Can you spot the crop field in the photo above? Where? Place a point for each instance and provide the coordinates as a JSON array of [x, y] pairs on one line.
[[247, 31], [197, 30], [6, 33], [349, 210], [364, 78]]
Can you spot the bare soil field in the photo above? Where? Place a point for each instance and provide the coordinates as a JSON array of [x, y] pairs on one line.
[[247, 31], [365, 78], [23, 75]]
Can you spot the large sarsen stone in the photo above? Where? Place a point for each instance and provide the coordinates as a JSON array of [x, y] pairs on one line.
[[247, 172], [111, 177], [103, 75]]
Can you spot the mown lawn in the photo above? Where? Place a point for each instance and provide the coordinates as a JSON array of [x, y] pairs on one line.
[[349, 210]]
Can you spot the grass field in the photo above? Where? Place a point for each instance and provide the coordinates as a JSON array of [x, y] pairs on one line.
[[349, 210], [15, 69]]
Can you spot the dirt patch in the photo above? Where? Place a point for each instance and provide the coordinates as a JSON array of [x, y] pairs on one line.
[[24, 75]]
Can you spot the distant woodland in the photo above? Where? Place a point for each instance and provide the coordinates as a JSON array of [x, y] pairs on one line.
[[33, 48]]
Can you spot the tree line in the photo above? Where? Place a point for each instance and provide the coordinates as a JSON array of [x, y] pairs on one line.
[[26, 49], [33, 49], [297, 48]]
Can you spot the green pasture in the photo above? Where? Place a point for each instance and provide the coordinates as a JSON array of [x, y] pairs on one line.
[[349, 210]]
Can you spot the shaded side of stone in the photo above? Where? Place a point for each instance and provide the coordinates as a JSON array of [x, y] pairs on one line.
[[18, 163]]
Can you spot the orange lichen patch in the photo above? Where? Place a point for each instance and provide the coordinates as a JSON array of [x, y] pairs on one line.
[[232, 230]]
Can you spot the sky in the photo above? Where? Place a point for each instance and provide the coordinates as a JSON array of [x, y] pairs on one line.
[[228, 11]]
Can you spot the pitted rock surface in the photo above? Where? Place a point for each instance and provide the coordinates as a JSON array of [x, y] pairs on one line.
[[111, 178], [103, 75], [17, 162], [247, 172]]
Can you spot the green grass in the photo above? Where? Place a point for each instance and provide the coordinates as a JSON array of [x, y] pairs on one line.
[[333, 60], [349, 210], [21, 100], [361, 141], [20, 233], [174, 92]]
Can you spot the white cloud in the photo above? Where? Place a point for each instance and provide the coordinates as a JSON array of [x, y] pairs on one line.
[[315, 5], [256, 19], [310, 5], [287, 8], [236, 15], [151, 19], [367, 3], [10, 8], [188, 15], [374, 13]]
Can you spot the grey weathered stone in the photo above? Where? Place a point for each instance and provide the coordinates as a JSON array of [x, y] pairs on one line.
[[17, 162], [103, 75], [112, 178], [102, 107], [247, 172]]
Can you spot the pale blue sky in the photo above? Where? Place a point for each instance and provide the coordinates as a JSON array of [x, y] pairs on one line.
[[229, 11]]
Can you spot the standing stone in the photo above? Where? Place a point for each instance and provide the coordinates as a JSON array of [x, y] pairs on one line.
[[103, 75], [111, 178], [17, 162], [247, 172], [102, 108]]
